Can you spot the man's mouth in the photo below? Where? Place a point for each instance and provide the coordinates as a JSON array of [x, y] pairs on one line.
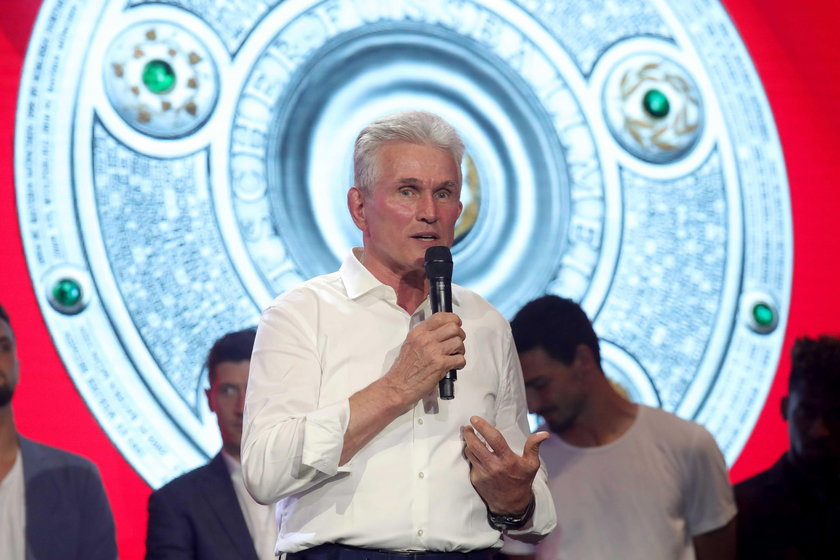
[[425, 237]]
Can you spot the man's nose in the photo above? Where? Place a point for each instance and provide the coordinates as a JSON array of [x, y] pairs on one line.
[[533, 401], [819, 428], [427, 209]]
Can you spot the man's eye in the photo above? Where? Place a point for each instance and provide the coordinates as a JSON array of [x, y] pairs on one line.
[[443, 195], [228, 391]]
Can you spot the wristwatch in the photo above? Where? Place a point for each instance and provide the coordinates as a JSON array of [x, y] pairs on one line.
[[503, 522]]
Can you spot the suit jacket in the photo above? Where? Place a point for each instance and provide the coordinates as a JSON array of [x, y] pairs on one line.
[[67, 511], [197, 516]]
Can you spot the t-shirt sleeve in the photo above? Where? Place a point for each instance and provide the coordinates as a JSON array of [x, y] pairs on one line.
[[710, 503]]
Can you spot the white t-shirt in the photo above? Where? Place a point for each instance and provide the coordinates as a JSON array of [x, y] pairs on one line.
[[13, 513], [643, 496]]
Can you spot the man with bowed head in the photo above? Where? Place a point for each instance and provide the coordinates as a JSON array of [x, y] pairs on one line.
[[343, 422], [629, 481]]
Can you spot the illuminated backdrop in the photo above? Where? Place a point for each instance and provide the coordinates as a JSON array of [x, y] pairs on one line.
[[794, 47], [188, 161]]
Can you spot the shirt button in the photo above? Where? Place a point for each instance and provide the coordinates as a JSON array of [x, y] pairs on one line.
[[420, 533], [419, 420], [421, 475]]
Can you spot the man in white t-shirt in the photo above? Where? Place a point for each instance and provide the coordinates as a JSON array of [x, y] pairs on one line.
[[629, 481], [207, 514]]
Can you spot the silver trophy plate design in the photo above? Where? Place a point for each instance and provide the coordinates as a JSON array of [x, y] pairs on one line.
[[179, 163]]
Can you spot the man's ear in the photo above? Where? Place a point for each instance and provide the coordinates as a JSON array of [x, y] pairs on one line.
[[210, 404], [785, 401], [356, 205], [584, 356], [584, 362]]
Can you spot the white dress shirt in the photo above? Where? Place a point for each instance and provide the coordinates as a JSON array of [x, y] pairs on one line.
[[409, 487]]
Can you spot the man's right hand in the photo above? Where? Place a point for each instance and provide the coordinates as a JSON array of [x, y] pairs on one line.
[[431, 349]]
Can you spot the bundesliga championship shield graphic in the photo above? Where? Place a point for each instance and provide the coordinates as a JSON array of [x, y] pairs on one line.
[[178, 164]]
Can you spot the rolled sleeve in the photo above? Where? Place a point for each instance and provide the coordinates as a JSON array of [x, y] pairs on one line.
[[289, 441], [323, 438]]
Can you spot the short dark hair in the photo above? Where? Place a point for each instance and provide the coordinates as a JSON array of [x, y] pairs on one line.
[[233, 347], [816, 363], [556, 324], [5, 316]]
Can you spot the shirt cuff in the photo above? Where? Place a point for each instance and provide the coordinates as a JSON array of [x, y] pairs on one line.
[[544, 519], [323, 437], [517, 548]]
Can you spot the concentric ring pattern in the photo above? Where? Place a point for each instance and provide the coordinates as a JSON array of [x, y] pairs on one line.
[[189, 160]]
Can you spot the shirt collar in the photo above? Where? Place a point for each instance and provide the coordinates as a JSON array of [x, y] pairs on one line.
[[359, 281]]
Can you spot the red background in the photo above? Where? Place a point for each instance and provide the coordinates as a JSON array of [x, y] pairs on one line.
[[797, 55]]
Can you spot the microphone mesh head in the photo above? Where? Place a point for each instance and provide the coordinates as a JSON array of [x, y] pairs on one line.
[[439, 262]]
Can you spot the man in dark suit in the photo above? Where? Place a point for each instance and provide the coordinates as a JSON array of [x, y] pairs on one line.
[[207, 514], [52, 503]]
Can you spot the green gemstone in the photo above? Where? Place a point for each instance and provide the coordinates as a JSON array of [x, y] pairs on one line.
[[763, 314], [158, 76], [656, 104], [67, 293]]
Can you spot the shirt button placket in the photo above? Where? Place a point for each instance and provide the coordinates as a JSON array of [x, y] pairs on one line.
[[420, 463]]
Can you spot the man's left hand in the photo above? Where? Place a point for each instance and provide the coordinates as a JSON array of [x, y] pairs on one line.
[[500, 476]]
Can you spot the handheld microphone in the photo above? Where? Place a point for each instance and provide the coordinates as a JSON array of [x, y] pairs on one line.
[[438, 266]]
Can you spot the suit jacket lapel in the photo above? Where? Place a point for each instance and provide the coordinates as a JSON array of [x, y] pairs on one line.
[[221, 497], [43, 498]]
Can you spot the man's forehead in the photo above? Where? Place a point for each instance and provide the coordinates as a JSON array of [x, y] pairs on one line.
[[536, 360], [231, 370]]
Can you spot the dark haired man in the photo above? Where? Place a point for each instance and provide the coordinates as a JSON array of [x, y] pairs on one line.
[[792, 510], [207, 513], [629, 481], [52, 503]]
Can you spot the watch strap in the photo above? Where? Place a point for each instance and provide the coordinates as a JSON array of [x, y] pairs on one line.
[[504, 521]]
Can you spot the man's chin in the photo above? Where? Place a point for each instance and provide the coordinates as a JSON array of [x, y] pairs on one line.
[[558, 426], [6, 393]]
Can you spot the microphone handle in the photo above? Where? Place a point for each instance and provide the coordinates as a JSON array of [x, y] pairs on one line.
[[442, 298]]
